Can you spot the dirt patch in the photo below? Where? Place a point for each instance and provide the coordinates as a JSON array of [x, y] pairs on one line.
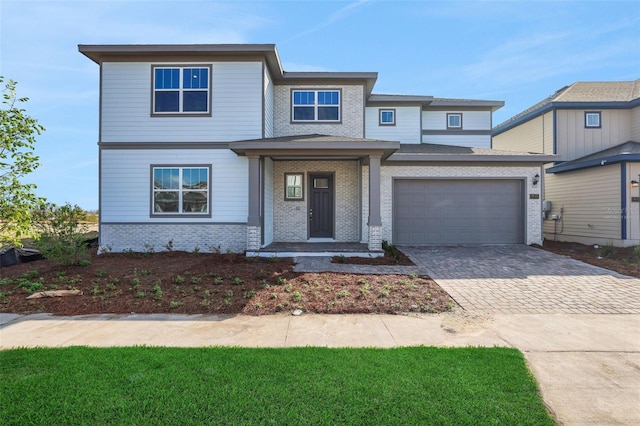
[[398, 258], [618, 259], [199, 283]]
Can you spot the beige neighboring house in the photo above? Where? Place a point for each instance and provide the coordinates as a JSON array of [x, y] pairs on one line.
[[591, 192]]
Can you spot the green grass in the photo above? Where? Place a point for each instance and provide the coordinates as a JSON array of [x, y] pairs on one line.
[[296, 386]]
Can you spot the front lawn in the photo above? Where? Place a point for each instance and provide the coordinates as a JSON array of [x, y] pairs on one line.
[[295, 386]]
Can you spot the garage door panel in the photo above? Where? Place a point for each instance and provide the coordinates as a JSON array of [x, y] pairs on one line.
[[479, 211]]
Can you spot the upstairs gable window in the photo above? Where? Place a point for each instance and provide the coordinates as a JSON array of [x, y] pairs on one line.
[[316, 105], [592, 120], [181, 90], [454, 121], [387, 117]]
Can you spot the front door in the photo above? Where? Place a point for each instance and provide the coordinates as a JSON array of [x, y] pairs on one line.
[[321, 205]]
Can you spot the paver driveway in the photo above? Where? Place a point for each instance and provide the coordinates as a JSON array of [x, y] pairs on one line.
[[522, 279]]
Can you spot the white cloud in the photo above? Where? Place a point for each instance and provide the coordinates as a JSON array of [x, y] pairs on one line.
[[336, 16]]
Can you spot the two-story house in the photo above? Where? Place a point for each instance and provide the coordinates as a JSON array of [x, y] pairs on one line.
[[216, 146], [591, 191]]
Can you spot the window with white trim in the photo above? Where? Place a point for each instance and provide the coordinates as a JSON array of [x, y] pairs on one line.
[[387, 117], [315, 105], [181, 90], [592, 119], [454, 121], [180, 190]]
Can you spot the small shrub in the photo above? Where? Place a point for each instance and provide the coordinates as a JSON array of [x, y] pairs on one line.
[[608, 251], [297, 296], [249, 294], [635, 254], [84, 262], [342, 294], [341, 259], [101, 273], [237, 281], [61, 233], [179, 279], [175, 304], [141, 294]]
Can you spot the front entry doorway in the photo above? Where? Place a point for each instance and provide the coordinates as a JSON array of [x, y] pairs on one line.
[[321, 205]]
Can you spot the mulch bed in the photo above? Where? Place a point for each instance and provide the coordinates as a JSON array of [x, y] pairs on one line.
[[205, 283]]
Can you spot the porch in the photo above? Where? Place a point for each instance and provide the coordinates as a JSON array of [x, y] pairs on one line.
[[326, 249]]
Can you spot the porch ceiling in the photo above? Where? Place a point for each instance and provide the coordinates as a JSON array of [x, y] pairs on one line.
[[315, 147]]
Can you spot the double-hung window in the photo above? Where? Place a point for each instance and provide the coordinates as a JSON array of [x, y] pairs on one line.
[[315, 105], [454, 121], [592, 120], [181, 90], [180, 190]]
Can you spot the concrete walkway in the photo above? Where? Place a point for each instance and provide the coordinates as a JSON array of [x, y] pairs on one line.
[[587, 364]]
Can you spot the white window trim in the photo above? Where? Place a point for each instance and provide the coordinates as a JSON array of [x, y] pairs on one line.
[[316, 105], [180, 91], [393, 114], [180, 190], [586, 119], [454, 114]]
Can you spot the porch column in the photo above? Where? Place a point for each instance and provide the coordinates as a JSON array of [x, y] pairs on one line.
[[254, 231], [375, 221]]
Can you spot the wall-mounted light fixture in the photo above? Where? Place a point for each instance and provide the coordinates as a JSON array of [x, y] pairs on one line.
[[535, 179], [634, 183]]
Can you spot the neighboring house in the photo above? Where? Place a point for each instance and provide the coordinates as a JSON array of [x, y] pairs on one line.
[[213, 146], [594, 128]]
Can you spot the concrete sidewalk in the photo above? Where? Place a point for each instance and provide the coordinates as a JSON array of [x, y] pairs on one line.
[[588, 366]]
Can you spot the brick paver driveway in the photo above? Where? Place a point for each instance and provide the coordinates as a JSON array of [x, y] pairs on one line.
[[522, 279]]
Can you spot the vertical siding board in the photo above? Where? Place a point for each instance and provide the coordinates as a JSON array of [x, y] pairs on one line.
[[590, 200]]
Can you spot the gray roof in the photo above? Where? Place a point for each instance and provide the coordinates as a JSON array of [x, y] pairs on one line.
[[435, 102], [583, 94], [628, 151], [436, 152]]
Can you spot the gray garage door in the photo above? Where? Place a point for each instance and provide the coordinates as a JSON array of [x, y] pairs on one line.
[[437, 211]]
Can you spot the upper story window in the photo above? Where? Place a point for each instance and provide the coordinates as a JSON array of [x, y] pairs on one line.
[[592, 120], [387, 117], [181, 90], [315, 105], [454, 121], [180, 190]]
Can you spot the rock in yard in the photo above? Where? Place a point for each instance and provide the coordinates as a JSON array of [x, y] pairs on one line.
[[297, 312], [55, 293]]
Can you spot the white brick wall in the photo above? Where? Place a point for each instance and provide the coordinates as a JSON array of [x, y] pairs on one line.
[[185, 237], [352, 113], [290, 217], [533, 219]]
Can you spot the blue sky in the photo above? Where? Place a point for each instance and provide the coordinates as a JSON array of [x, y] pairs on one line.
[[516, 51]]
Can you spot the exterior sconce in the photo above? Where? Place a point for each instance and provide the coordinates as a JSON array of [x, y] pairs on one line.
[[634, 183], [535, 179]]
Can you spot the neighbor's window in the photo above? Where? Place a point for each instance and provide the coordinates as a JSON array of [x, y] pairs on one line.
[[454, 121], [178, 90], [293, 186], [180, 190], [387, 117], [592, 119], [315, 105]]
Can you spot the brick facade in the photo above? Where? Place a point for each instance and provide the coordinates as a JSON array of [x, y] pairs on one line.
[[533, 219], [352, 114], [185, 237], [290, 217]]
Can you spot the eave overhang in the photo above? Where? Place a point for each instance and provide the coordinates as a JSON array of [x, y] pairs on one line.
[[315, 148]]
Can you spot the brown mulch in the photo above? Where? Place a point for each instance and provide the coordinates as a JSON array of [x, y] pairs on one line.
[[619, 259], [204, 283]]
